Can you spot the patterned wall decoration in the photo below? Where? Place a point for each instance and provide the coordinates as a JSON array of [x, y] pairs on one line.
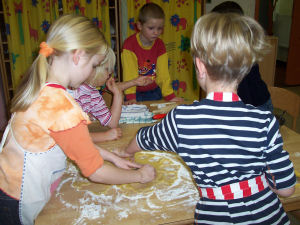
[[26, 25], [27, 22]]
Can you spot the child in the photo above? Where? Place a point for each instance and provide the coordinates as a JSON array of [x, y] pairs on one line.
[[47, 125], [92, 102], [144, 54], [233, 150], [252, 89]]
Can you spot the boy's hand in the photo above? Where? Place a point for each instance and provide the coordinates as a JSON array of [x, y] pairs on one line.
[[112, 86], [143, 81], [147, 173], [130, 102], [114, 134], [177, 99]]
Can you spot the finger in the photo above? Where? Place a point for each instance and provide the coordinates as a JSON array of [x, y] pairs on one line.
[[134, 165]]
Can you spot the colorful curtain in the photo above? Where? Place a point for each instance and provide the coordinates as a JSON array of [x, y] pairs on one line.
[[28, 21], [26, 25], [180, 16], [96, 10]]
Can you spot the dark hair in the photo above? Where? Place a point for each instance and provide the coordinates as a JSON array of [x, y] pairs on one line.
[[228, 7], [150, 11]]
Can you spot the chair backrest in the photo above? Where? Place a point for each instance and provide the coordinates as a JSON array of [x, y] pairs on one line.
[[286, 100]]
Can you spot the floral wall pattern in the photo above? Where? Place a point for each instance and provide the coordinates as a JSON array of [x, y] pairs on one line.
[[27, 22]]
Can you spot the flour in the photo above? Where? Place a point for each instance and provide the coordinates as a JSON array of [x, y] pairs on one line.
[[97, 200]]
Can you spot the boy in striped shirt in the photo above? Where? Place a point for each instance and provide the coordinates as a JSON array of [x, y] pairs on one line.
[[234, 150]]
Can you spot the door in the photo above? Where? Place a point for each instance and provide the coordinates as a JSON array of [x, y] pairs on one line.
[[293, 65]]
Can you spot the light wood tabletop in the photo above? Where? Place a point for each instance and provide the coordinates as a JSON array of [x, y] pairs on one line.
[[291, 143], [169, 199]]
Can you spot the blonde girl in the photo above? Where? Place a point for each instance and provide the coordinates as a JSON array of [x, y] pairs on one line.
[[47, 125]]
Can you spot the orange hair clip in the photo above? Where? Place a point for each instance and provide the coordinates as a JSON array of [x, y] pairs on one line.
[[45, 50]]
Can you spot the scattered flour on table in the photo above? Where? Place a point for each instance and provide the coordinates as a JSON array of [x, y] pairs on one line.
[[179, 191]]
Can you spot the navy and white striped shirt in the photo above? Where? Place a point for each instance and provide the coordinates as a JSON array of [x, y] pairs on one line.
[[223, 142]]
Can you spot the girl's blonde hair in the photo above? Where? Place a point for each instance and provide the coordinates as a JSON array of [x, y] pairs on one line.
[[228, 44], [108, 63], [68, 33]]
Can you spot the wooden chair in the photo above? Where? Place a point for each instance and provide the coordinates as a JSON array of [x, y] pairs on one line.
[[287, 101]]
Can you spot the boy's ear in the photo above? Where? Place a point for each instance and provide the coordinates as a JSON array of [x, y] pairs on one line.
[[200, 67], [139, 25]]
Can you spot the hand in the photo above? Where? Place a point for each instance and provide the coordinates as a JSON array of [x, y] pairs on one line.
[[143, 81], [126, 164], [130, 102], [177, 99], [113, 134], [122, 153], [147, 173], [112, 86]]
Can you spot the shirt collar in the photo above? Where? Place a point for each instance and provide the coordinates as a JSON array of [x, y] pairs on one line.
[[223, 96]]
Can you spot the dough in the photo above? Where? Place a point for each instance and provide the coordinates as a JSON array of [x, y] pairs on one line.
[[166, 167]]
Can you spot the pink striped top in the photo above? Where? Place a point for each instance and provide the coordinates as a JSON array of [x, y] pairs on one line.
[[92, 102]]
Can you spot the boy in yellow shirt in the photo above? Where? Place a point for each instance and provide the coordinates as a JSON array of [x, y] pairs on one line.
[[144, 54]]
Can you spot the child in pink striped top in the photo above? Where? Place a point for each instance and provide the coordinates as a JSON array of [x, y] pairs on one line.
[[92, 102]]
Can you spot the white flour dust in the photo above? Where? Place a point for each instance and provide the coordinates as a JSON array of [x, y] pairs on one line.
[[119, 199]]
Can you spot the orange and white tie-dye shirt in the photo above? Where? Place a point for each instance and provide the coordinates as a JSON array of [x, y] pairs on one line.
[[53, 118]]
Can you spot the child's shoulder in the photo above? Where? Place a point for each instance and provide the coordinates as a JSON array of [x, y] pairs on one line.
[[131, 38], [54, 97], [56, 104]]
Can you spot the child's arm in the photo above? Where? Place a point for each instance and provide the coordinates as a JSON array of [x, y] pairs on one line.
[[164, 81], [130, 70], [176, 99], [111, 134], [132, 148], [116, 107], [77, 145], [279, 172], [112, 175], [284, 192], [108, 174], [140, 81]]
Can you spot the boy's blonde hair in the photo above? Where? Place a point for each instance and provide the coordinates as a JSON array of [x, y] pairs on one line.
[[150, 11], [68, 33], [228, 45], [108, 63]]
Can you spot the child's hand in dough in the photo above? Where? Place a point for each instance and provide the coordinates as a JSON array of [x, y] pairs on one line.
[[126, 164], [121, 153], [147, 173]]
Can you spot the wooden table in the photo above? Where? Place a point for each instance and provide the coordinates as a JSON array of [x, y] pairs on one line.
[[291, 143], [79, 201], [91, 203]]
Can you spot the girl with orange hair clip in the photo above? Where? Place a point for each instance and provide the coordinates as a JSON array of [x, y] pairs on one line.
[[47, 125]]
